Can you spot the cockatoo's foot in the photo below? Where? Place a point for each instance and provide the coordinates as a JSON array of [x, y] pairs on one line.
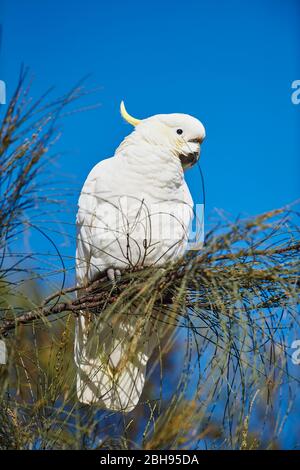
[[113, 275]]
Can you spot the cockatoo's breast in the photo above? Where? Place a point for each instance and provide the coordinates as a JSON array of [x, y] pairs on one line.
[[139, 211]]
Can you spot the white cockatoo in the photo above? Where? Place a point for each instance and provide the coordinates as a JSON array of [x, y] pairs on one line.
[[135, 210]]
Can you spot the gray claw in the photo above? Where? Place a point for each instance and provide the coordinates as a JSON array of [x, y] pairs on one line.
[[113, 275], [118, 274]]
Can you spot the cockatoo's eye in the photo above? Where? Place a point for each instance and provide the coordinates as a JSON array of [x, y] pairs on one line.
[[179, 131]]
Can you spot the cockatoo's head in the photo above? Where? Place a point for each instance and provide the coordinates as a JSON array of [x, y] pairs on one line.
[[181, 134]]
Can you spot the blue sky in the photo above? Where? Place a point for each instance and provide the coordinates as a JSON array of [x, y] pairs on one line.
[[230, 63]]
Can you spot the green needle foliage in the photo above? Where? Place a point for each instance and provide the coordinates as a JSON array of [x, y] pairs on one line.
[[222, 375]]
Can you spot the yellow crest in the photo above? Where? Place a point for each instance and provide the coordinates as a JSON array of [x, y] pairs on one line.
[[133, 121]]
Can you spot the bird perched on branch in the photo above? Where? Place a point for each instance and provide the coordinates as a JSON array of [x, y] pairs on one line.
[[135, 210]]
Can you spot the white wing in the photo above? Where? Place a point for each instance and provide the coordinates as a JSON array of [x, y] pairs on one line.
[[120, 224]]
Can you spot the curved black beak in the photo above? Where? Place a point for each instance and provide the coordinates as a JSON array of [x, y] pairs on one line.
[[190, 159]]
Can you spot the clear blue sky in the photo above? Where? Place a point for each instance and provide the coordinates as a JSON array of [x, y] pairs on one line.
[[228, 62]]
